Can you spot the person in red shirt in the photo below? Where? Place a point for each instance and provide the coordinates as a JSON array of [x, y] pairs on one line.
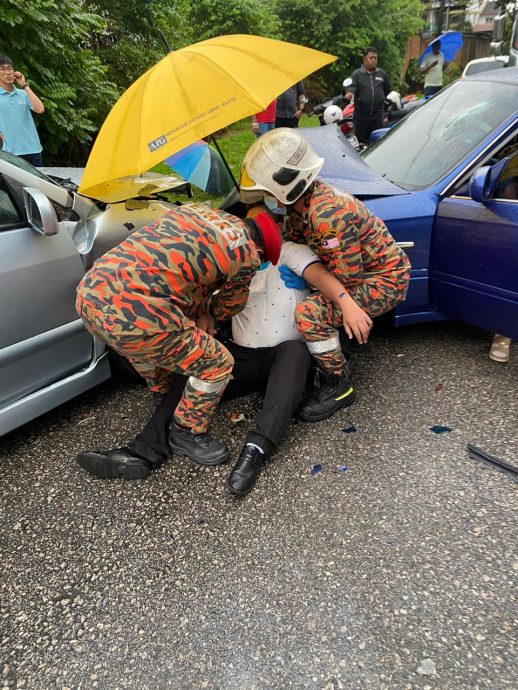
[[265, 120]]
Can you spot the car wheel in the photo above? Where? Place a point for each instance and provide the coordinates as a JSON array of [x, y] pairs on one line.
[[122, 369]]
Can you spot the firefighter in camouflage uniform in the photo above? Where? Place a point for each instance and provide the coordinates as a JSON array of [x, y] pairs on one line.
[[154, 299], [367, 273]]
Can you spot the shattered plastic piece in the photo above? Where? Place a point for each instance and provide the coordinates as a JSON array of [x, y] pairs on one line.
[[236, 417], [438, 387], [426, 668], [343, 468], [440, 429], [400, 354], [349, 429], [316, 469]]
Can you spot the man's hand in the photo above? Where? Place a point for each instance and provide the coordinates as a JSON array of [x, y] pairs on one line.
[[20, 79], [206, 323], [357, 323]]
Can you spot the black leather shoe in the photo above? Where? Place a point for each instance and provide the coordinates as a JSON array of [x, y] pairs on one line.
[[200, 448], [330, 394], [118, 463], [246, 470]]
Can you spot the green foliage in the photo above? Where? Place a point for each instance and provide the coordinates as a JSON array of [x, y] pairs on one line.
[[346, 27], [81, 54], [211, 18], [131, 42], [451, 73], [51, 48], [414, 78]]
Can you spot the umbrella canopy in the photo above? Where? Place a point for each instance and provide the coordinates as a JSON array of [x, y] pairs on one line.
[[190, 93], [451, 41], [202, 166]]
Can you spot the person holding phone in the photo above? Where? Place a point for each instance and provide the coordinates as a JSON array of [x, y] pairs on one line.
[[18, 134]]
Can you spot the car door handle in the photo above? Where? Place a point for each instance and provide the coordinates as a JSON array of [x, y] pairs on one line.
[[405, 245]]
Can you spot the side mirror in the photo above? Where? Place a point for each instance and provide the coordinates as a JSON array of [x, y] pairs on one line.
[[479, 184], [40, 212]]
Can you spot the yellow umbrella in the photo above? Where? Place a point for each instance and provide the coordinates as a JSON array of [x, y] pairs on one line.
[[189, 94]]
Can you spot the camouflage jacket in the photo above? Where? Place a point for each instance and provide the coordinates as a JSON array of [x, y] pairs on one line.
[[349, 239], [181, 260]]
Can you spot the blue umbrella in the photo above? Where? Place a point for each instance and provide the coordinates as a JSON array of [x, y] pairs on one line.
[[451, 41], [202, 166]]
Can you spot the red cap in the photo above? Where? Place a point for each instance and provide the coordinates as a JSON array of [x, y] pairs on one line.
[[271, 236]]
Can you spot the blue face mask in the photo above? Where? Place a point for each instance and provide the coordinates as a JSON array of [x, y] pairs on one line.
[[271, 203]]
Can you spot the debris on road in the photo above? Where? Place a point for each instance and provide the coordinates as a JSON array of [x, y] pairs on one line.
[[426, 668], [349, 429], [236, 417], [440, 429], [316, 469]]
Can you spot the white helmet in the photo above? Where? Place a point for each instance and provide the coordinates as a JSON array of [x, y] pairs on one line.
[[347, 82], [332, 114], [395, 99], [280, 162]]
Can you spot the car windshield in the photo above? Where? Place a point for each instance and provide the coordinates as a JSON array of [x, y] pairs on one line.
[[478, 67], [433, 139], [23, 165]]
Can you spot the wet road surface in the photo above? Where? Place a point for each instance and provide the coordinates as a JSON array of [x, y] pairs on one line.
[[396, 572]]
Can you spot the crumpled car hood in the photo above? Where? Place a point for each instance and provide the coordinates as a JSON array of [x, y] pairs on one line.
[[344, 168], [125, 187]]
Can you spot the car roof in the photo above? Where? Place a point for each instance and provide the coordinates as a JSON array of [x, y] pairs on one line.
[[509, 75]]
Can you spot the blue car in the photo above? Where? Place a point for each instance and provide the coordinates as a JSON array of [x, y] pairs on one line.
[[445, 181]]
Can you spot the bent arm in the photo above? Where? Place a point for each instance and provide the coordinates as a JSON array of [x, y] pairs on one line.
[[357, 323], [36, 105]]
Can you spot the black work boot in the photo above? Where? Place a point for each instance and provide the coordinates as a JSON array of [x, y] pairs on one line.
[[119, 463], [328, 395], [200, 448], [246, 470]]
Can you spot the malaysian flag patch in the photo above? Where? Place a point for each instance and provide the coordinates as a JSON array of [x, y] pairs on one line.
[[332, 243]]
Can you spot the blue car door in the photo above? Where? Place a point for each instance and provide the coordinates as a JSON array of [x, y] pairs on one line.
[[474, 257]]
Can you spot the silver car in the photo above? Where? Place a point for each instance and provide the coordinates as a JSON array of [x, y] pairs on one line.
[[49, 237]]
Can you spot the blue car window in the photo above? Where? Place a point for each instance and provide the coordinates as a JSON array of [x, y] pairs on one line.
[[438, 136]]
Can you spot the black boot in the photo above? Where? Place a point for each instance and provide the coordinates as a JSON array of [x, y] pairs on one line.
[[119, 463], [246, 470], [328, 395], [200, 448]]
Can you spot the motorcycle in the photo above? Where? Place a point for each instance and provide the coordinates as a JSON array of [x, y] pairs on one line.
[[340, 111], [337, 110]]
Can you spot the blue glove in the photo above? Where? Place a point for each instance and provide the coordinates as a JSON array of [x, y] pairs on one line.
[[291, 279]]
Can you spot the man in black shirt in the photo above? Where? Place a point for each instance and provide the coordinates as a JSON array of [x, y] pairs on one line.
[[290, 106], [370, 86]]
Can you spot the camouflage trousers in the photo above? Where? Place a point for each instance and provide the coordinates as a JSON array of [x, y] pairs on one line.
[[317, 317], [179, 347]]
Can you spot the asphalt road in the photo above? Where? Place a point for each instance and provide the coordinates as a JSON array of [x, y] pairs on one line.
[[397, 572]]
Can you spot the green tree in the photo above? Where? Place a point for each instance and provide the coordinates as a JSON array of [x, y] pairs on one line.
[[345, 27], [49, 41], [211, 18], [131, 43]]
